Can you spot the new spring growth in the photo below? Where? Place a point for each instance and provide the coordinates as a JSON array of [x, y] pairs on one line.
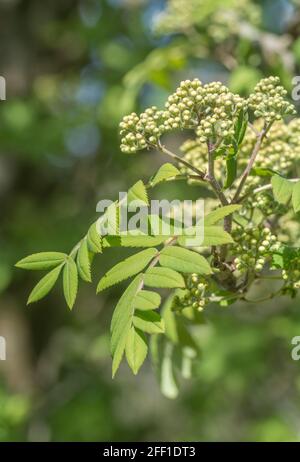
[[211, 110]]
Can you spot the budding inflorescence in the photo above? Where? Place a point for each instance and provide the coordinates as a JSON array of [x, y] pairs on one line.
[[252, 248], [278, 152], [140, 132], [268, 100], [196, 294], [218, 19], [211, 110]]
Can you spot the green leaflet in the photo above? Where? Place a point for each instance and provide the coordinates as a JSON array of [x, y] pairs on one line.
[[184, 260], [213, 217], [136, 349], [44, 286], [241, 127], [176, 351], [83, 262], [149, 322], [121, 322], [282, 189], [142, 241], [94, 240], [263, 171], [163, 278], [284, 256], [41, 260], [138, 193], [108, 223], [70, 282], [231, 170], [296, 197], [165, 172], [119, 350], [129, 267], [139, 240], [175, 327], [213, 235], [147, 300], [162, 352]]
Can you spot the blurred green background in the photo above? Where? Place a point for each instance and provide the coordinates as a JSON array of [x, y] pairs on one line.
[[73, 69]]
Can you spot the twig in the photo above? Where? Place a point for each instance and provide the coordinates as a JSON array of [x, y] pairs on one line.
[[210, 176], [247, 170], [182, 161]]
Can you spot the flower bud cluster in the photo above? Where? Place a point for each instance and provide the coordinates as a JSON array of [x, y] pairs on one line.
[[219, 20], [269, 100], [140, 132], [291, 276], [291, 270], [221, 108], [195, 296], [266, 204], [211, 109], [294, 137], [252, 248], [277, 152]]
